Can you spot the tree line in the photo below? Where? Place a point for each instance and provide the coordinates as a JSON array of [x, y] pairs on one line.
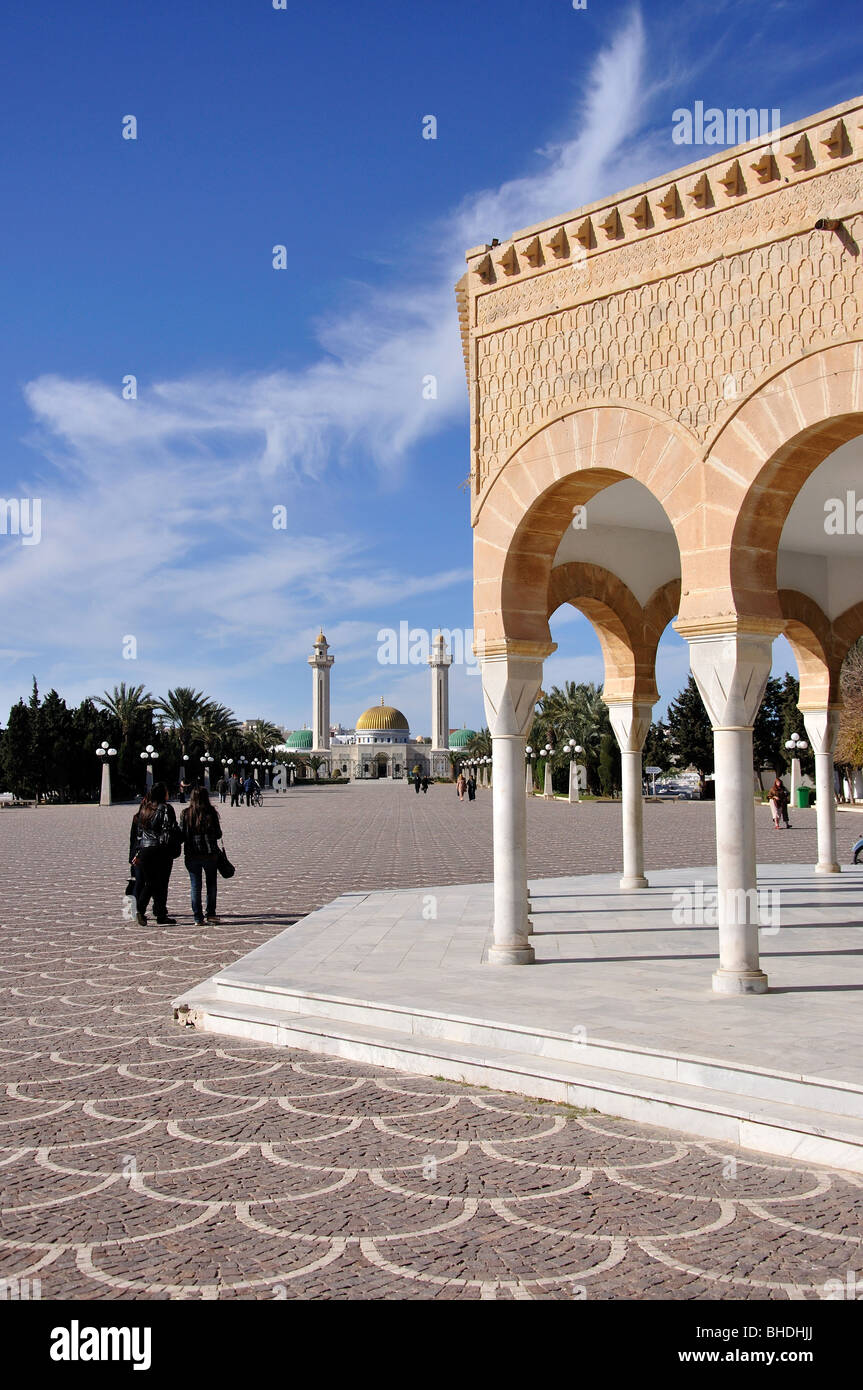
[[48, 751]]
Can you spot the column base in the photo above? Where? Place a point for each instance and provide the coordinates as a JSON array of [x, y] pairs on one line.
[[828, 869], [739, 982], [639, 881], [511, 955]]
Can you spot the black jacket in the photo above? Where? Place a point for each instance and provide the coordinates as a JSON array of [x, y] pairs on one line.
[[202, 845], [147, 837]]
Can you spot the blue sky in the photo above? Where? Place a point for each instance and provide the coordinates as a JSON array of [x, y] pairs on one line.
[[303, 387]]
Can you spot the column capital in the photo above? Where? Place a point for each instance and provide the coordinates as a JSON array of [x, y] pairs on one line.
[[731, 670], [509, 648], [822, 726], [511, 682], [630, 721]]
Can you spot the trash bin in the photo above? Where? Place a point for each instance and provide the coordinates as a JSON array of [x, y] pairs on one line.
[[803, 798]]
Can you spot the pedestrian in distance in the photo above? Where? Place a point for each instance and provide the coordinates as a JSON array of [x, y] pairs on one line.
[[235, 789], [425, 785], [154, 843], [471, 788], [461, 786], [778, 798], [202, 831], [417, 783], [222, 788], [250, 787]]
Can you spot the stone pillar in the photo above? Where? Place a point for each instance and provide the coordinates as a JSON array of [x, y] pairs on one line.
[[440, 662], [511, 681], [822, 726], [207, 776], [731, 671], [547, 785], [574, 787], [630, 722], [105, 792], [321, 663], [528, 775]]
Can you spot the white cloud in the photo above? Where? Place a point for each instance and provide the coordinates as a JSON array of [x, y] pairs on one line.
[[155, 520]]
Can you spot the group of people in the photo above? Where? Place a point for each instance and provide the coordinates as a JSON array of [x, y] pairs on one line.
[[237, 787], [466, 784], [155, 841]]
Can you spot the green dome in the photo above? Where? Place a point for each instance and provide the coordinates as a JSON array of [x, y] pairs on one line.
[[300, 738], [461, 738]]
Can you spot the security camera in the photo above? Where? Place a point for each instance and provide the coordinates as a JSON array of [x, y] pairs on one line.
[[827, 224]]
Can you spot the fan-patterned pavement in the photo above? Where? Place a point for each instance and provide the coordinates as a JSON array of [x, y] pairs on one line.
[[141, 1160]]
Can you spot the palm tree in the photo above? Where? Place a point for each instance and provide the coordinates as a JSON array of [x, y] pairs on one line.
[[126, 705], [480, 745], [575, 710], [261, 736], [216, 724], [183, 708]]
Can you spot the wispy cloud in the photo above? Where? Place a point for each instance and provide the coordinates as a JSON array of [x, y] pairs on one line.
[[156, 509]]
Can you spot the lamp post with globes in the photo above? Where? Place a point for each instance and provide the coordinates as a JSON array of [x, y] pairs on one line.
[[104, 753], [149, 756], [528, 771], [207, 759], [573, 749], [795, 746], [547, 789]]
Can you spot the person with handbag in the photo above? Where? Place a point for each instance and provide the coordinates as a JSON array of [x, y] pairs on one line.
[[154, 843], [202, 831]]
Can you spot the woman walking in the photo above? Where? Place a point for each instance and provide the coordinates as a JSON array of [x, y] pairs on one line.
[[202, 832], [778, 798], [153, 840], [461, 786]]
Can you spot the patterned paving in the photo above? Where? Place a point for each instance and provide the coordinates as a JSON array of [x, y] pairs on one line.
[[139, 1160]]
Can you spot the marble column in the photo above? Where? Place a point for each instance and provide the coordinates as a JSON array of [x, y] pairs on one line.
[[511, 681], [105, 791], [731, 671], [822, 726], [631, 722]]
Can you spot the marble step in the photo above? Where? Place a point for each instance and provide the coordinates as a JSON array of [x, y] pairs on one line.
[[766, 1126], [545, 1045]]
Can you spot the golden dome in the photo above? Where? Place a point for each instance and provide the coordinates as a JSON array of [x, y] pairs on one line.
[[382, 717]]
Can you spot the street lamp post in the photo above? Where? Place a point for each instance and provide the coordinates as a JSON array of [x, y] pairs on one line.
[[547, 788], [528, 771], [104, 753], [207, 759], [149, 756], [795, 746], [573, 749]]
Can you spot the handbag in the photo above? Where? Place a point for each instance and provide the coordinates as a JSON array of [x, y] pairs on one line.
[[223, 863]]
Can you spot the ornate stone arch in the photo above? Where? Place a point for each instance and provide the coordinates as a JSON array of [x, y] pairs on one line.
[[757, 464], [526, 510]]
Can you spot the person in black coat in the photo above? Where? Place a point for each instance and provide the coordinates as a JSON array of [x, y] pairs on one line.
[[152, 840], [202, 831]]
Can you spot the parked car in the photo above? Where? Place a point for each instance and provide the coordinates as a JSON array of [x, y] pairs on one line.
[[857, 852]]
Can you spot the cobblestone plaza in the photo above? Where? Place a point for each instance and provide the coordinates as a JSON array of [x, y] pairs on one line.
[[141, 1160]]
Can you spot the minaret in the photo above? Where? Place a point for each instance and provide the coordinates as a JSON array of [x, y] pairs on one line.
[[320, 662], [440, 662]]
